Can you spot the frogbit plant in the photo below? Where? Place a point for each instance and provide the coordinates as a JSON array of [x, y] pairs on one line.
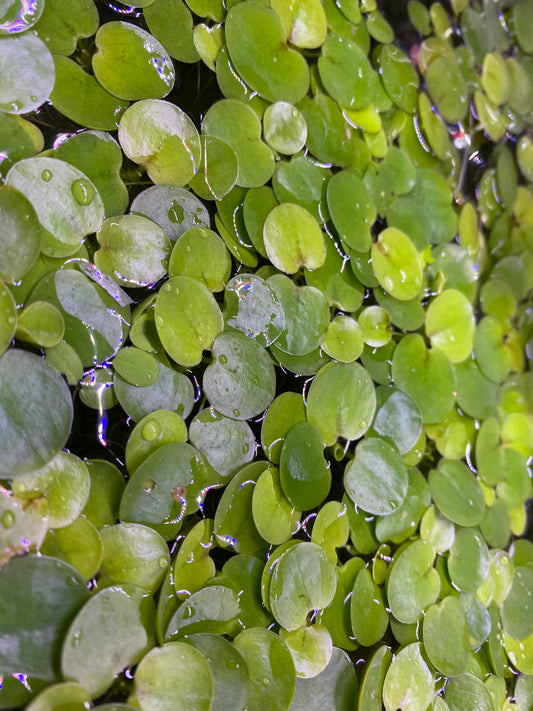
[[266, 400]]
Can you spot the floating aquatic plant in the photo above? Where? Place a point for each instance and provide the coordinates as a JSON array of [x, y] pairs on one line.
[[266, 404]]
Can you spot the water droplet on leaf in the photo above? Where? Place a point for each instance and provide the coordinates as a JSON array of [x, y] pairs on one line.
[[83, 191], [149, 485], [151, 430], [8, 519]]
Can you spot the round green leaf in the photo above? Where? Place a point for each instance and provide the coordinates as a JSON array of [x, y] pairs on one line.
[[413, 583], [397, 419], [227, 443], [133, 250], [457, 493], [66, 202], [130, 63], [171, 391], [174, 677], [163, 139], [40, 597], [237, 125], [165, 487], [341, 401], [352, 210], [133, 554], [367, 610], [450, 325], [287, 410], [229, 670], [468, 564], [293, 239], [426, 375], [397, 264], [251, 306], [20, 239], [515, 611], [214, 608], [346, 72], [344, 340], [304, 580], [170, 21], [304, 473], [399, 77], [188, 319], [27, 68], [241, 381], [174, 209], [409, 684], [110, 632], [447, 88], [64, 693], [271, 669], [468, 693], [30, 437], [78, 544], [376, 479], [41, 324], [233, 524], [304, 22], [274, 516], [445, 636], [284, 127], [79, 97], [276, 72], [306, 313], [334, 689], [135, 366], [107, 485], [193, 566], [311, 649]]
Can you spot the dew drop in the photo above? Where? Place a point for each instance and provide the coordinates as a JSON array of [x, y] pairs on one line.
[[148, 485], [162, 562], [76, 638], [47, 175], [83, 191], [236, 412], [266, 682], [232, 664], [245, 448], [151, 430], [8, 519], [73, 582], [363, 424], [222, 359]]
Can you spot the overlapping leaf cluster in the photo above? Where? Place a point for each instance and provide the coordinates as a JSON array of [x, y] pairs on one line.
[[313, 303]]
